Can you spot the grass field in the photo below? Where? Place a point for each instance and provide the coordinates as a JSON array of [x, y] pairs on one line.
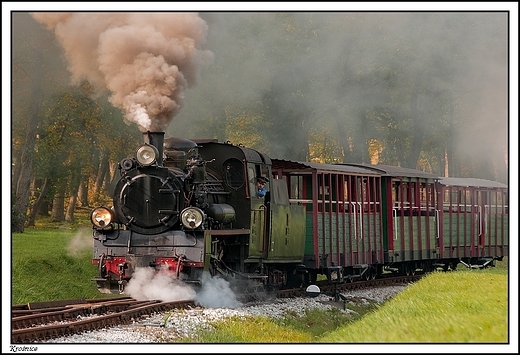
[[49, 264], [466, 306]]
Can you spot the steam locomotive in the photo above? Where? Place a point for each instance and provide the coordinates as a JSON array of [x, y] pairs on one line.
[[189, 207]]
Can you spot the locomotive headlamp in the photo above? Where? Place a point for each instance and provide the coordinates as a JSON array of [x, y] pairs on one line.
[[192, 217], [147, 154], [101, 217]]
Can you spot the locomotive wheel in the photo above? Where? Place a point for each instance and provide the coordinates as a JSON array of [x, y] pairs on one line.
[[102, 267]]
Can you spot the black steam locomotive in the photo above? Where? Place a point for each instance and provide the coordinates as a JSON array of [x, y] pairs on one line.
[[189, 207]]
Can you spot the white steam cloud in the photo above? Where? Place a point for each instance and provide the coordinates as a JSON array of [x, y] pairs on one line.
[[145, 60], [216, 293], [80, 243], [147, 284]]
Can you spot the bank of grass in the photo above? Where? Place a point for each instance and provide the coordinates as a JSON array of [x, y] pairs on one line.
[[52, 263], [466, 306], [469, 306]]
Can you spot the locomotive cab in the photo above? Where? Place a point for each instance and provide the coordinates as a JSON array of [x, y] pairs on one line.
[[267, 240]]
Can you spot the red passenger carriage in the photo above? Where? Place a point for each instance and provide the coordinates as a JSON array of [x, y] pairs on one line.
[[409, 218], [473, 221], [343, 216]]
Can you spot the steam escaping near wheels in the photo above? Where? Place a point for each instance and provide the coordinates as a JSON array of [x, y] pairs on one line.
[[313, 291]]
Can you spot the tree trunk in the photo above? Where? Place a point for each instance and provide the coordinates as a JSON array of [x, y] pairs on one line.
[[83, 192], [74, 188], [107, 180], [39, 202], [58, 205], [100, 178], [22, 191], [69, 215]]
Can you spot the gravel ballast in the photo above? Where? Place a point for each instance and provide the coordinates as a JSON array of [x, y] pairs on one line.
[[169, 326]]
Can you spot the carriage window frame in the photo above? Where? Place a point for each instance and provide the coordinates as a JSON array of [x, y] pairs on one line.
[[233, 173]]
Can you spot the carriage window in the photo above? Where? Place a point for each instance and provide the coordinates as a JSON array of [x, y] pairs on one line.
[[234, 173], [296, 191], [402, 195]]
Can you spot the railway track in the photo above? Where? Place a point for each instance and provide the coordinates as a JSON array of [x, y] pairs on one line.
[[40, 321], [332, 289], [47, 320]]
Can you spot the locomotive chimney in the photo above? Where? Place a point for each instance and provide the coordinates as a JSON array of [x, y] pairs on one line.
[[157, 140]]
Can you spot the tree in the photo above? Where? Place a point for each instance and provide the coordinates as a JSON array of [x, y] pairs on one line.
[[36, 71]]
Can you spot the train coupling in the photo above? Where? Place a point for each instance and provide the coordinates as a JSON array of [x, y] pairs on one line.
[[335, 274]]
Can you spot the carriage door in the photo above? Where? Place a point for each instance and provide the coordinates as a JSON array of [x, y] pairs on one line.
[[258, 236]]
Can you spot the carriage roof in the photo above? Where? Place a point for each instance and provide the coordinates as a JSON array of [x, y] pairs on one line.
[[470, 182]]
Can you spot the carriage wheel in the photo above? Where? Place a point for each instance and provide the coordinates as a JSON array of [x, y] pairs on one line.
[[453, 266]]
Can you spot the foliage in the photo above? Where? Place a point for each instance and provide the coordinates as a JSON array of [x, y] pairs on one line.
[[17, 216]]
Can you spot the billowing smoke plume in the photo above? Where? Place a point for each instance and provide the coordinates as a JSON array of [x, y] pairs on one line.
[[145, 60]]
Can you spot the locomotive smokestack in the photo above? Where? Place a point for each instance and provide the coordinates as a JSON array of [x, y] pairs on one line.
[[157, 140]]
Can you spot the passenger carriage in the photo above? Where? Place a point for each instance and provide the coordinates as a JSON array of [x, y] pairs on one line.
[[409, 218], [473, 220], [344, 237]]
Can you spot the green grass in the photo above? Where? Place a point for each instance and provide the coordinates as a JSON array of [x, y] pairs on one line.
[[458, 307], [292, 328], [50, 264], [250, 330]]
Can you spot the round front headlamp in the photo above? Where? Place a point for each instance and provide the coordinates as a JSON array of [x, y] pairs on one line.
[[101, 217], [192, 217], [147, 154]]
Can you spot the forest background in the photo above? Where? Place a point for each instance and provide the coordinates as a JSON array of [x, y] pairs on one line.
[[424, 90]]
